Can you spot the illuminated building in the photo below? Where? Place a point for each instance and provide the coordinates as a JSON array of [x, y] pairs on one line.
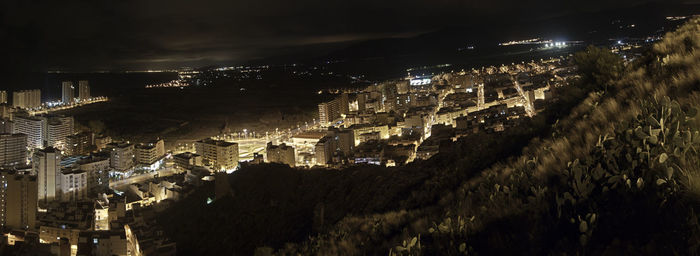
[[6, 111], [65, 220], [328, 112], [34, 129], [3, 97], [79, 144], [332, 110], [13, 149], [133, 247], [324, 150], [26, 99], [58, 128], [6, 125], [101, 214], [344, 140], [402, 87], [280, 154], [67, 92], [147, 153], [361, 101], [46, 164], [219, 154], [18, 200], [187, 160], [83, 90], [97, 170], [343, 104], [368, 128], [308, 138], [389, 97], [73, 185], [101, 142], [121, 155]]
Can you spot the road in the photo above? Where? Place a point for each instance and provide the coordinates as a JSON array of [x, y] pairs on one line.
[[249, 145], [527, 104], [480, 100], [45, 110], [143, 177]]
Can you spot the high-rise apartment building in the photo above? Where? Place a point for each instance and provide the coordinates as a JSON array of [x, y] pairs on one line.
[[13, 149], [6, 125], [328, 112], [67, 92], [331, 110], [324, 150], [46, 164], [6, 111], [83, 90], [121, 155], [148, 153], [219, 154], [33, 127], [18, 200], [343, 104], [26, 99], [3, 97], [79, 144], [58, 128]]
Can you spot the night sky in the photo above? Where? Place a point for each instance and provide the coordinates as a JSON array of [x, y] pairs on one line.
[[112, 35]]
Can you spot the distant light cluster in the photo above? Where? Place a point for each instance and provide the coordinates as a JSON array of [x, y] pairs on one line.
[[675, 18], [171, 84], [555, 44], [420, 81], [527, 41]]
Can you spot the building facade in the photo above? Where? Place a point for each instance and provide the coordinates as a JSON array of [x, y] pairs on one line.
[[328, 112], [74, 184], [324, 151], [67, 92], [34, 129], [18, 200], [46, 164], [187, 160], [13, 149], [282, 154], [26, 99], [148, 153], [219, 154], [79, 144], [97, 170], [121, 155], [83, 90], [58, 128], [3, 97]]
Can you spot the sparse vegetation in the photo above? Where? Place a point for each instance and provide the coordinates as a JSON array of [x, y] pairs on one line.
[[613, 168]]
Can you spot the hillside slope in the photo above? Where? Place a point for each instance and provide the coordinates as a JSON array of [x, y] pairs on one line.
[[609, 168], [619, 175]]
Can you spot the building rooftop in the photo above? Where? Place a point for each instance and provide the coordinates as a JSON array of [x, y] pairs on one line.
[[186, 155], [310, 135], [220, 143], [119, 145]]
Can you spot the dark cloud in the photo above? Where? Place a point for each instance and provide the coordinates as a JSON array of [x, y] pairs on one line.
[[131, 34]]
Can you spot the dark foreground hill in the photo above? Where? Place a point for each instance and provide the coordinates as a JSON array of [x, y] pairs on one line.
[[612, 169]]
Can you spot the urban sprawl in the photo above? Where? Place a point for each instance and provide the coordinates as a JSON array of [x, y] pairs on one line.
[[81, 193]]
